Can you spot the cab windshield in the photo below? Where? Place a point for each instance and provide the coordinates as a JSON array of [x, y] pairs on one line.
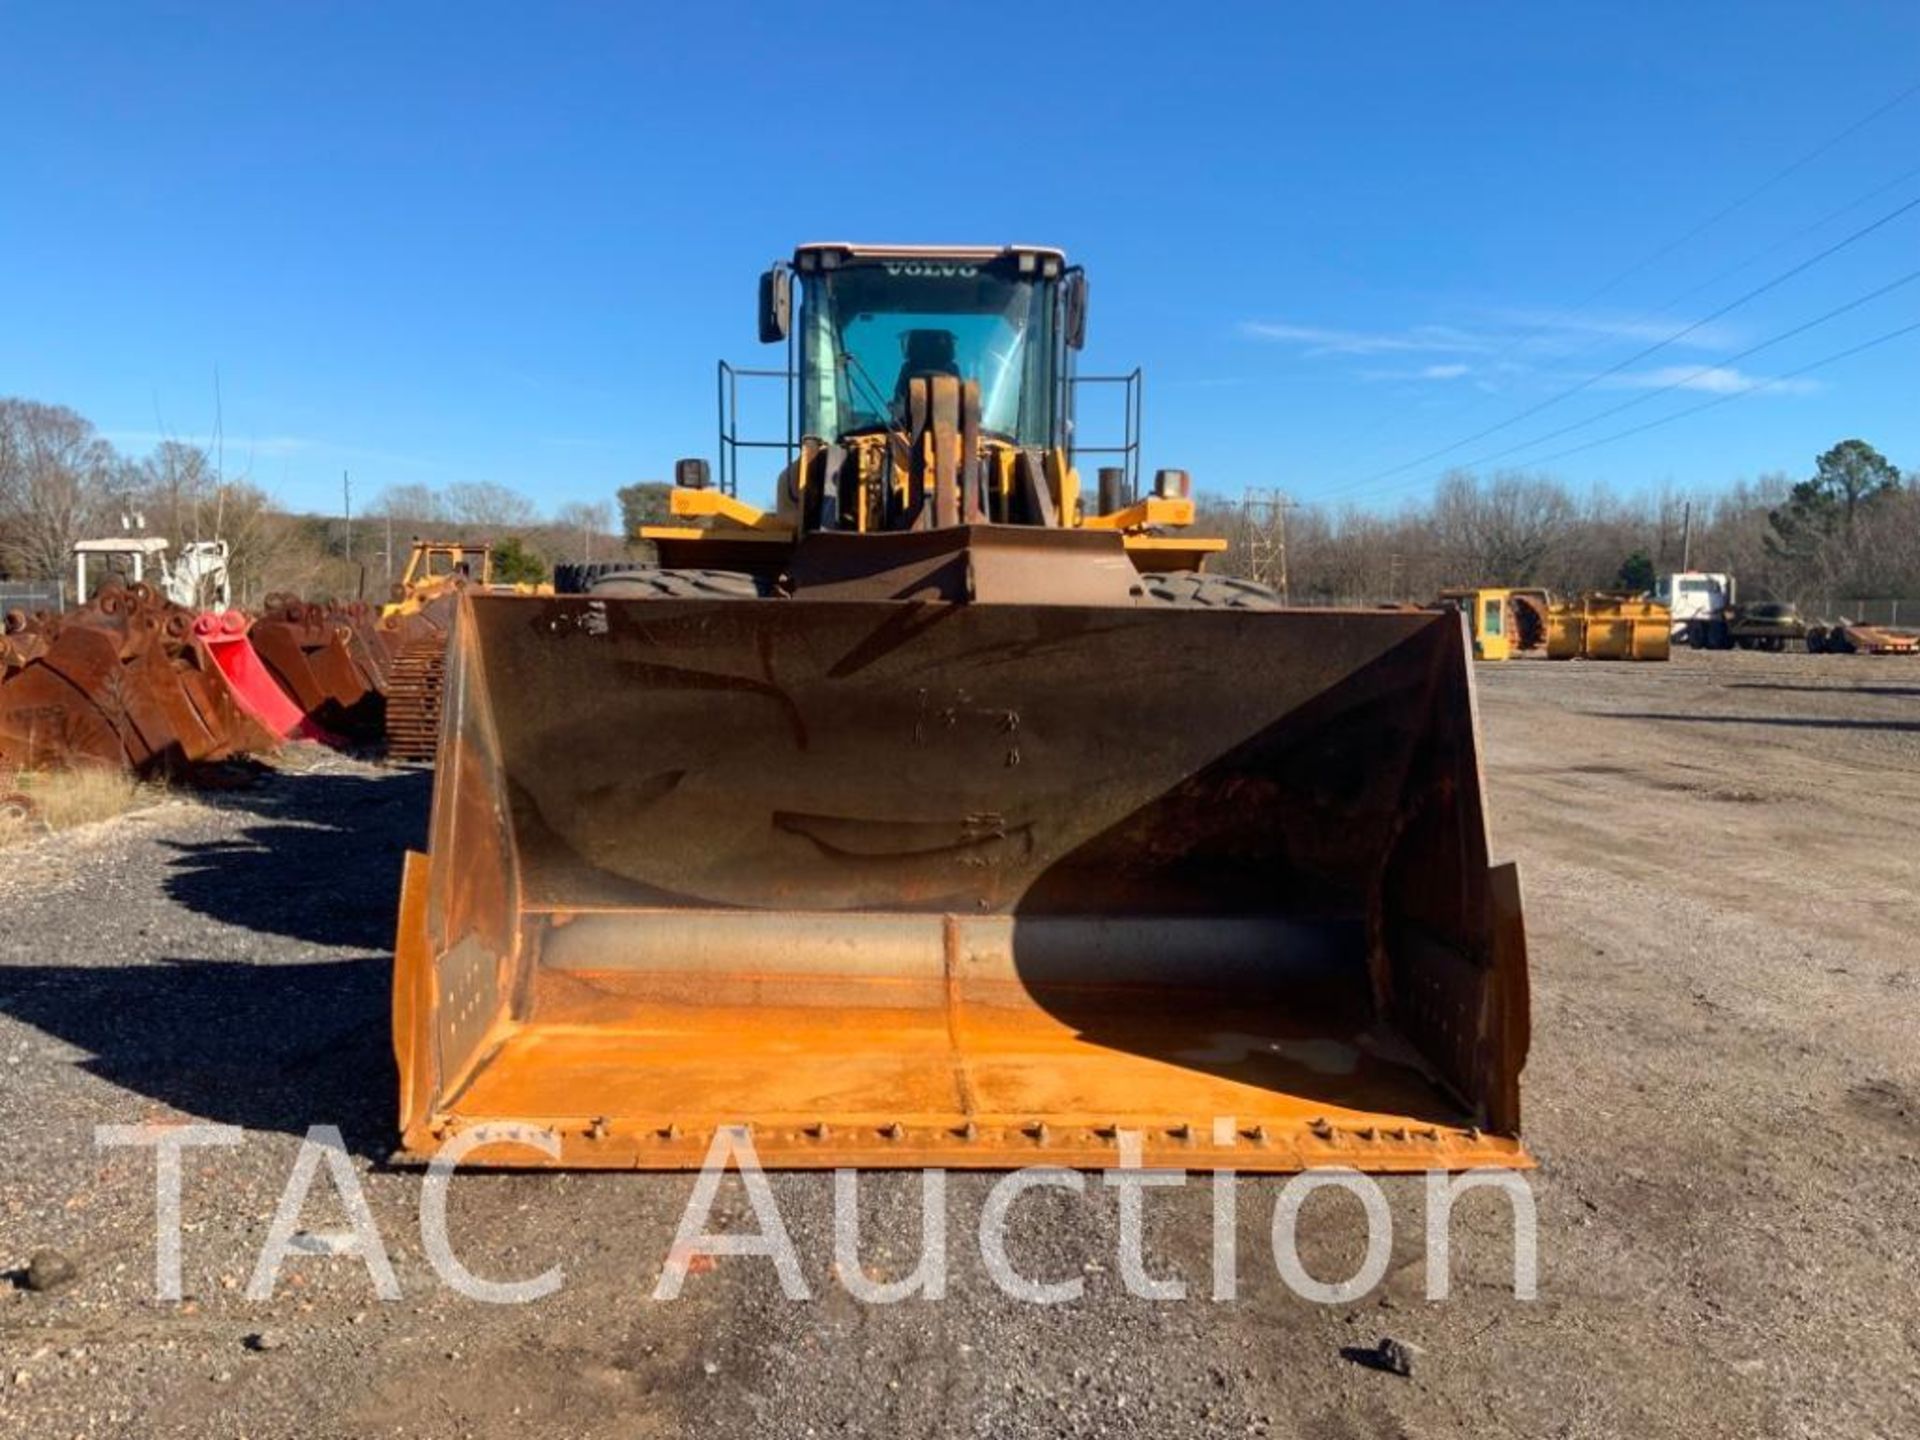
[[869, 327]]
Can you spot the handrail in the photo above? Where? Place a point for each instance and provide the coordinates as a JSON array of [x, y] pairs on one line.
[[1129, 447], [729, 378]]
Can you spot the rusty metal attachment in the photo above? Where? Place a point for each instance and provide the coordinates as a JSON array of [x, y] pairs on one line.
[[124, 681], [135, 681], [316, 656], [698, 863], [16, 806], [225, 639]]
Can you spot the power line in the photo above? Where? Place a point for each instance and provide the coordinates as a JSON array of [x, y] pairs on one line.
[[1642, 354], [1714, 279], [1769, 183], [1607, 287], [1707, 369], [1824, 361], [1786, 240]]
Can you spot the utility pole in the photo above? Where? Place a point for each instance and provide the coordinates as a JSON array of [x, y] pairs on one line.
[[389, 555], [1686, 537], [1263, 519], [1286, 593], [1393, 576], [346, 509]]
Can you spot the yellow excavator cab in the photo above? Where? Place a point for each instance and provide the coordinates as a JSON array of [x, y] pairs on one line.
[[1488, 620]]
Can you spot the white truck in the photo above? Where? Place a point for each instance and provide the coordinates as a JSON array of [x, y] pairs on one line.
[[1707, 616], [1691, 596]]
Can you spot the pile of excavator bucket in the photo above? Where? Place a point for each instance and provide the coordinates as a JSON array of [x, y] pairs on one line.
[[132, 681]]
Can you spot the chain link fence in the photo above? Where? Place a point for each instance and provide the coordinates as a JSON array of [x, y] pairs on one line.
[[31, 595], [1891, 613]]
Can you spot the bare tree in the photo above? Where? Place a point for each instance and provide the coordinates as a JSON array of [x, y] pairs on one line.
[[59, 481], [596, 516], [1504, 531], [178, 492], [414, 504], [489, 506], [56, 476], [273, 551]]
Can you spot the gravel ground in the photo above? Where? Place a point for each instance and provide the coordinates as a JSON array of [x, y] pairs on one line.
[[1720, 871]]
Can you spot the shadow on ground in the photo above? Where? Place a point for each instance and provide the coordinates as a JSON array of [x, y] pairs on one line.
[[321, 865], [269, 1043], [270, 1047], [1809, 722], [1895, 691]]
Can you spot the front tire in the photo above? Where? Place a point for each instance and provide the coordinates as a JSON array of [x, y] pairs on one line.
[[1192, 590], [649, 582]]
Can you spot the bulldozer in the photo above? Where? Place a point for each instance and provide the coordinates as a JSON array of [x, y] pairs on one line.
[[413, 625], [944, 812]]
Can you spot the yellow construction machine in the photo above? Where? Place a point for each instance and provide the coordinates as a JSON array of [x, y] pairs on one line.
[[434, 566], [1602, 626], [414, 624], [1503, 621], [1488, 621], [945, 812]]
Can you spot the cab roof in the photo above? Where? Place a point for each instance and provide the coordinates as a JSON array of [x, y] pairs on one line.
[[814, 252]]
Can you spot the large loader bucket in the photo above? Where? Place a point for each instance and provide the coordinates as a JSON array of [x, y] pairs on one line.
[[914, 883]]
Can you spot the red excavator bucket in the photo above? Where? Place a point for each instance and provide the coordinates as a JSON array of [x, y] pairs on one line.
[[253, 685]]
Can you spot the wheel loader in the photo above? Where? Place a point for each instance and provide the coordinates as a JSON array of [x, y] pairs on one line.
[[946, 812]]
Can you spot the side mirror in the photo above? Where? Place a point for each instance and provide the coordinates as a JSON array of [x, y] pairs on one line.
[[776, 304], [1073, 297]]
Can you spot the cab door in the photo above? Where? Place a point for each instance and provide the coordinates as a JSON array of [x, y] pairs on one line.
[[1490, 639]]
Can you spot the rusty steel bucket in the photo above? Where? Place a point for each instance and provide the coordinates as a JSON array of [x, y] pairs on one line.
[[904, 883], [123, 682], [310, 650]]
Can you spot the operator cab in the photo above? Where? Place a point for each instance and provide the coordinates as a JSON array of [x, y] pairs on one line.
[[875, 318]]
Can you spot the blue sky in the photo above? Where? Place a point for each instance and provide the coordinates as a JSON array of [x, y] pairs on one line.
[[434, 243]]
